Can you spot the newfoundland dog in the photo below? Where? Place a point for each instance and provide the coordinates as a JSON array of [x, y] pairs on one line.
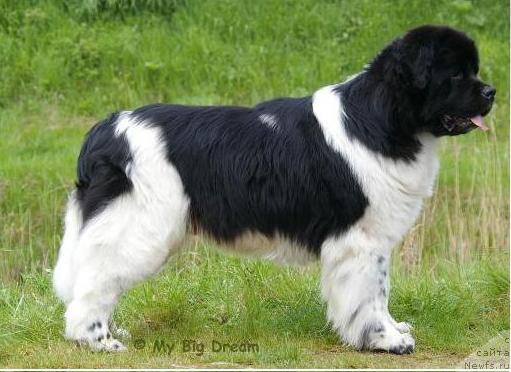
[[340, 175]]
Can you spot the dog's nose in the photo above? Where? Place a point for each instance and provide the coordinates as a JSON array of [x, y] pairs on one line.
[[488, 92]]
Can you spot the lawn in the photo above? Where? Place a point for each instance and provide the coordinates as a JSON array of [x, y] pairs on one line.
[[63, 67]]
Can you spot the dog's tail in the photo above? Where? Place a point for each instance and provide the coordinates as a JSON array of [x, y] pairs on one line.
[[63, 278], [102, 166]]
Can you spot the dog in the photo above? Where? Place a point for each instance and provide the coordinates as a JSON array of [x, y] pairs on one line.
[[338, 176]]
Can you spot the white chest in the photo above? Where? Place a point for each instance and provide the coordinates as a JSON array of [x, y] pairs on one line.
[[396, 190]]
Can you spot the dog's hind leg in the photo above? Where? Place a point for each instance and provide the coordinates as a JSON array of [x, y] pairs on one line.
[[127, 239], [123, 245]]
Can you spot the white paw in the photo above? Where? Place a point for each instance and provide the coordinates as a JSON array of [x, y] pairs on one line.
[[405, 346], [390, 340], [95, 334], [110, 344], [404, 327]]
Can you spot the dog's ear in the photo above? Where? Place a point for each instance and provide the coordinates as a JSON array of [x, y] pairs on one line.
[[420, 63], [406, 62], [417, 61], [412, 62]]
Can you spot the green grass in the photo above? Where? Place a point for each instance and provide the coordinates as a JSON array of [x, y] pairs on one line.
[[204, 296], [64, 65]]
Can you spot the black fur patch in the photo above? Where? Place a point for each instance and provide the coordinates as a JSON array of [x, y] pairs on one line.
[[242, 176]]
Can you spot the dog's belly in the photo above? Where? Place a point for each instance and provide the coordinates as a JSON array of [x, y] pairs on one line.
[[277, 248]]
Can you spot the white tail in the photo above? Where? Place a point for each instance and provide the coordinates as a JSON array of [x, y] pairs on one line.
[[63, 278]]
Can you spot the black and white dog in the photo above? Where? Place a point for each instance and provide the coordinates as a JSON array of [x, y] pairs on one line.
[[340, 175]]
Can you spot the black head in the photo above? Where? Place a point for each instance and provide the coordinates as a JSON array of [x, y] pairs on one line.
[[434, 69]]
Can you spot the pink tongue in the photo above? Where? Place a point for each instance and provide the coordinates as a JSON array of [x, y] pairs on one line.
[[479, 121]]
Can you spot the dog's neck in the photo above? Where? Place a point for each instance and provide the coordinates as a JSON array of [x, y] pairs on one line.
[[374, 116]]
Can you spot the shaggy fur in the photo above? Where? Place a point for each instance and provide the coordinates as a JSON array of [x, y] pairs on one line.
[[340, 175]]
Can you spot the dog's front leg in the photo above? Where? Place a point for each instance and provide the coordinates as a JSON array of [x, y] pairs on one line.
[[355, 285]]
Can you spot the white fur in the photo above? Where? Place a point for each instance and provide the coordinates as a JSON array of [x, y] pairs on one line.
[[269, 120], [351, 271], [125, 243]]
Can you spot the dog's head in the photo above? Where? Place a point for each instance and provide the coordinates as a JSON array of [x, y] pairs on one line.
[[439, 67]]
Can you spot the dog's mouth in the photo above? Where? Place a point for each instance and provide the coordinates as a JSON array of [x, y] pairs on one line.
[[459, 124]]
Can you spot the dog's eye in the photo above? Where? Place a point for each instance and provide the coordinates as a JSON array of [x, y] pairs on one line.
[[457, 76]]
